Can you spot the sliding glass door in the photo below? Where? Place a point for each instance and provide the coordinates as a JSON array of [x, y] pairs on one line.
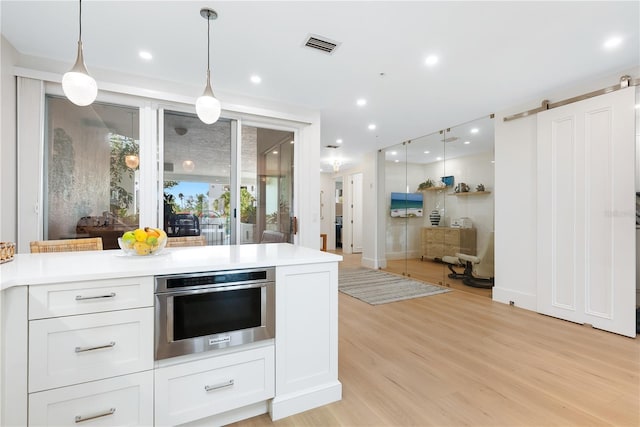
[[231, 183], [266, 185], [91, 170], [197, 171]]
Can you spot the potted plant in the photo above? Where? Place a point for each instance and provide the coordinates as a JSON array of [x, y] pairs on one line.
[[424, 185]]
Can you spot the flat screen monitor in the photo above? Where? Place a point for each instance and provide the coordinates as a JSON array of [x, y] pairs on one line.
[[406, 205]]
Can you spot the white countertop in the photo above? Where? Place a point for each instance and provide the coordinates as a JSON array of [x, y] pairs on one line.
[[39, 269]]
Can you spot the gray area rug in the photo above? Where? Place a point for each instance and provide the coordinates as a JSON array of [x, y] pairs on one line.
[[377, 287]]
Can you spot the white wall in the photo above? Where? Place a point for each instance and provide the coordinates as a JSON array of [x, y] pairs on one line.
[[372, 245], [8, 57], [472, 170], [515, 195], [328, 211]]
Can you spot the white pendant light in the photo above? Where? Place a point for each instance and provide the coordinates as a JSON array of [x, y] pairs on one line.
[[188, 165], [78, 86], [207, 106]]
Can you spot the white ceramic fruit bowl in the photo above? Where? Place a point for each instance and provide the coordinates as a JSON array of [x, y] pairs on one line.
[[141, 248]]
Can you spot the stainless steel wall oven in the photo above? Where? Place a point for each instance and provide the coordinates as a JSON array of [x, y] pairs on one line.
[[211, 310]]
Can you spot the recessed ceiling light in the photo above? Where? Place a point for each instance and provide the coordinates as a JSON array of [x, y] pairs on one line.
[[361, 102], [275, 152], [427, 152], [467, 142], [397, 161], [475, 130], [438, 158], [338, 141], [256, 79], [637, 106], [431, 60], [145, 55], [393, 153], [292, 141], [613, 42], [371, 126]]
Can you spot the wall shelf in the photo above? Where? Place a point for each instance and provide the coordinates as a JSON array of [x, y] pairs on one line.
[[470, 193], [434, 189]]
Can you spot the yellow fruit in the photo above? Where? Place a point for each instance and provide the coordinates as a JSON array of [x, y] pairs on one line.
[[142, 248], [162, 235], [151, 232], [152, 240], [140, 235]]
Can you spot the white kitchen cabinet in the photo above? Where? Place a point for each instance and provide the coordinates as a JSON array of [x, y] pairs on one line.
[[306, 338], [122, 401], [75, 349], [45, 381], [65, 299], [194, 390]]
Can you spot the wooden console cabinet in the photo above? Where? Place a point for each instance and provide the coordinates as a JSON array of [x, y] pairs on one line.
[[447, 241]]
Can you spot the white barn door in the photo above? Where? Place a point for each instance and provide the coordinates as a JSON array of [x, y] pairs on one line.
[[586, 211]]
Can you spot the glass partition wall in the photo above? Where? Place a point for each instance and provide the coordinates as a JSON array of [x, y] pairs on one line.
[[439, 204]]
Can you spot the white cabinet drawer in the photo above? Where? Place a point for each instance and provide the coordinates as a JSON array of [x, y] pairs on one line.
[[206, 387], [65, 299], [74, 349], [122, 401]]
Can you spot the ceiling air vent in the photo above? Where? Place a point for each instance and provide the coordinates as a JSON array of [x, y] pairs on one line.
[[168, 167], [321, 43]]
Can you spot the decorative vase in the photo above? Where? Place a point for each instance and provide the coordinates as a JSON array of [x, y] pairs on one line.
[[434, 217]]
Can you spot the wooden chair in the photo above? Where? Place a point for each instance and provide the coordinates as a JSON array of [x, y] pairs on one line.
[[179, 242], [270, 236], [70, 245]]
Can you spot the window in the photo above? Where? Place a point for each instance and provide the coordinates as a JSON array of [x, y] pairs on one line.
[[90, 171]]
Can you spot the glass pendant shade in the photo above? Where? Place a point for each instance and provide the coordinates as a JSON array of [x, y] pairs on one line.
[[207, 106], [78, 86], [132, 161], [188, 165]]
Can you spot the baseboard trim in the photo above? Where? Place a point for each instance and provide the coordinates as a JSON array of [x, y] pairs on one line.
[[519, 299], [294, 403], [374, 263]]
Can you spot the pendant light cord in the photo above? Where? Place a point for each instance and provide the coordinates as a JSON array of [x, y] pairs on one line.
[[208, 40], [80, 22]]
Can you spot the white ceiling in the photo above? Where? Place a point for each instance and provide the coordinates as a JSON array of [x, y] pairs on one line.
[[493, 55]]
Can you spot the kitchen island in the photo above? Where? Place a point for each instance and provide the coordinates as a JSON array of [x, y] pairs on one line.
[[46, 380]]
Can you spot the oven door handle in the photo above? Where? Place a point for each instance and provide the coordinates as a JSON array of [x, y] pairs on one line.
[[215, 288]]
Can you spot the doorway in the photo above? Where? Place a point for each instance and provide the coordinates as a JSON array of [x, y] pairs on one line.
[[338, 213]]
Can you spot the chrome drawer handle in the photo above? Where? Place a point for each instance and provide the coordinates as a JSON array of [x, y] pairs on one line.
[[81, 298], [218, 386], [80, 418], [98, 347]]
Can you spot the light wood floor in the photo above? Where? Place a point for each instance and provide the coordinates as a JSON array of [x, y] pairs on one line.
[[457, 359], [432, 272]]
